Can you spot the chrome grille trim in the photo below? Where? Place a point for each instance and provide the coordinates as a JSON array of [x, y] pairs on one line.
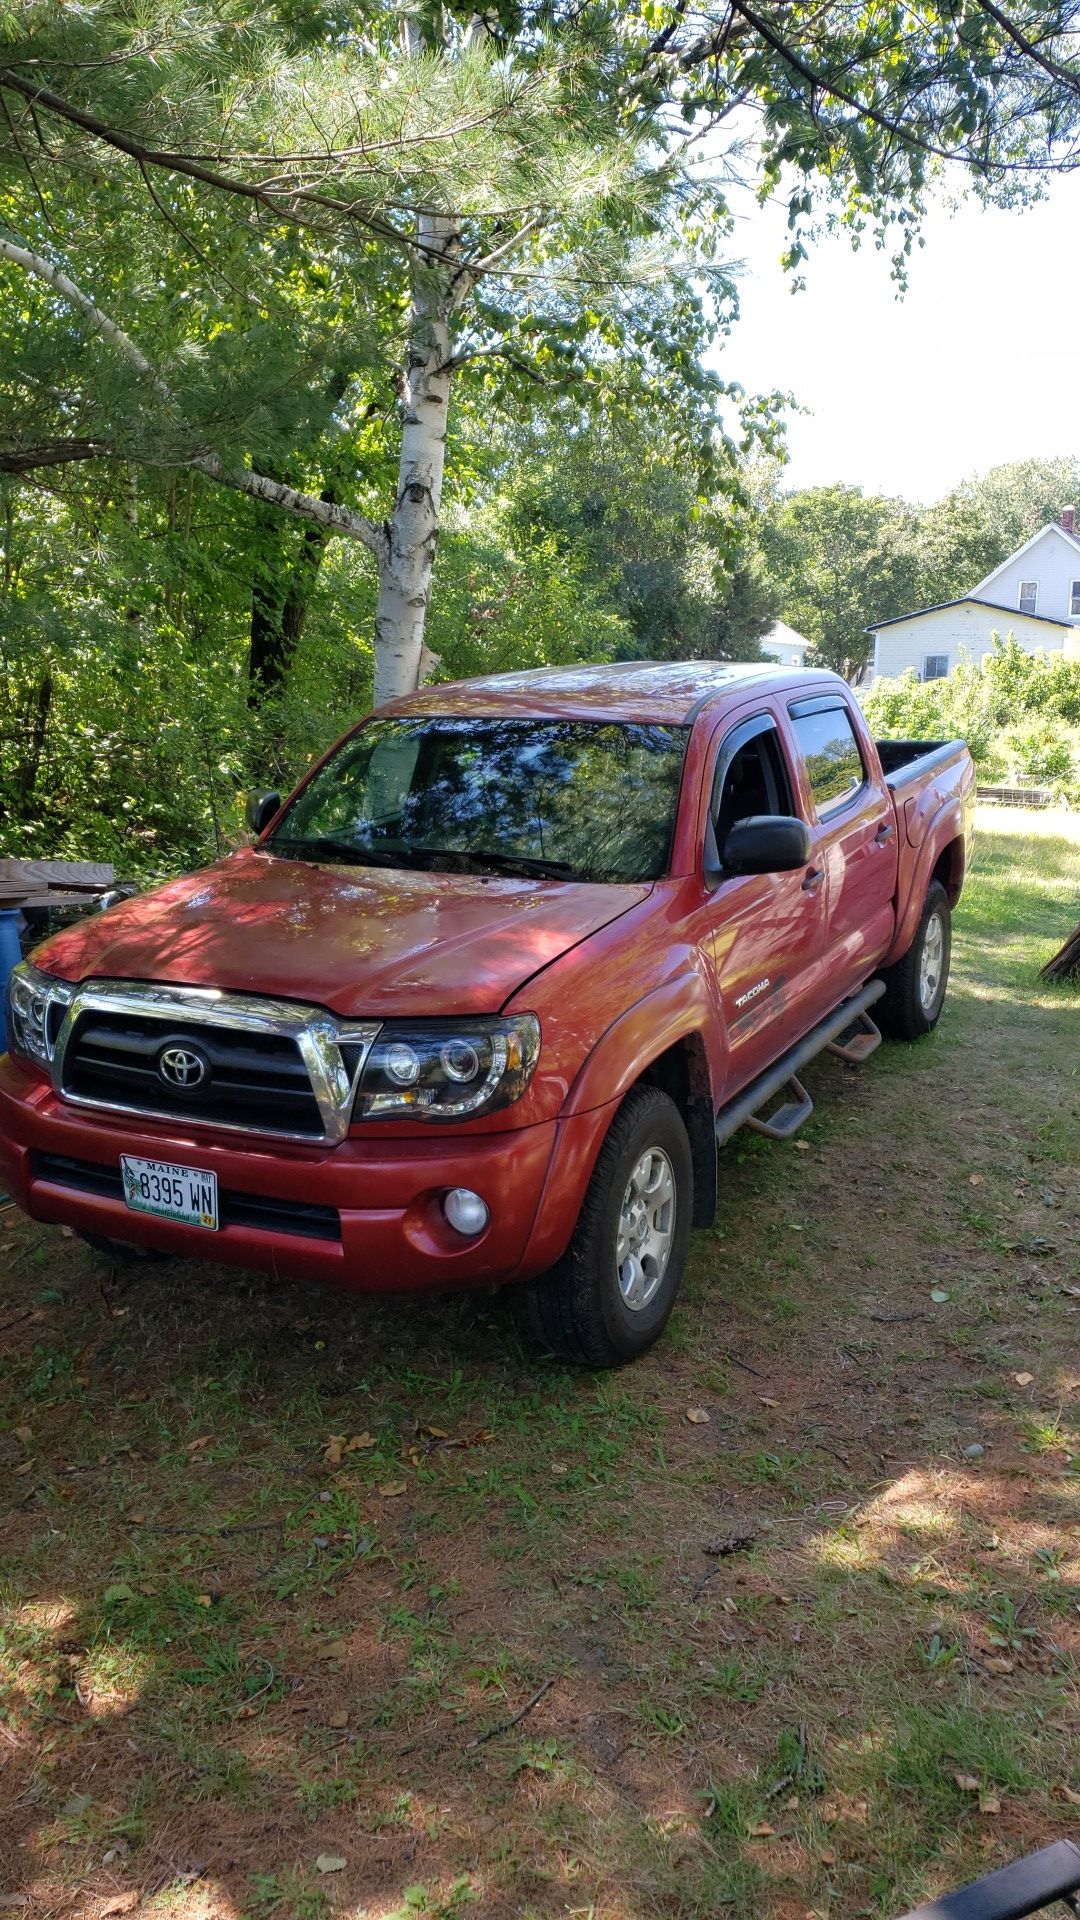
[[319, 1037]]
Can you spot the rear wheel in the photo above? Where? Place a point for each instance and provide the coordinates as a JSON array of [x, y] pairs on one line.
[[124, 1252], [609, 1297], [915, 987]]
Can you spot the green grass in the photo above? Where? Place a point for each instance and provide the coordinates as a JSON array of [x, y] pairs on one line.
[[216, 1647]]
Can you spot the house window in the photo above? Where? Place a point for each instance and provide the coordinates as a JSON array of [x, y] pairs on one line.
[[1029, 596], [936, 666], [1074, 598]]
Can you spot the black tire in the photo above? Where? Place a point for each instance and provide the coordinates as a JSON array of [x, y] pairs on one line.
[[124, 1252], [577, 1309], [909, 1009]]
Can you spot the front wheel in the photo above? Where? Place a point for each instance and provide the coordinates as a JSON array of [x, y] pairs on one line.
[[915, 987], [609, 1297]]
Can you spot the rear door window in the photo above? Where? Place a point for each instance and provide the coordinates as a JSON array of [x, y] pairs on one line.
[[834, 762]]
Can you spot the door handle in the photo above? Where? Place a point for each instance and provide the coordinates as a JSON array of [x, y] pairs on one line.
[[883, 833], [813, 879]]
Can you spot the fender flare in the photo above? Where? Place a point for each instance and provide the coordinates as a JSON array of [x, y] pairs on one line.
[[943, 828], [670, 1015], [659, 1020]]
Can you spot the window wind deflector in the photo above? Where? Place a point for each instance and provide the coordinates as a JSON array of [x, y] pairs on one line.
[[816, 703]]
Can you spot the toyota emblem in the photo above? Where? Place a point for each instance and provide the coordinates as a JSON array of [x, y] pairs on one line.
[[180, 1067]]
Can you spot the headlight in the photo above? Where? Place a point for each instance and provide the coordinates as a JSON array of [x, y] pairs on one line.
[[447, 1069], [36, 1005]]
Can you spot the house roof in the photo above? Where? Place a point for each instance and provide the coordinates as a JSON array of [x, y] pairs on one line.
[[1052, 526], [783, 635], [973, 600]]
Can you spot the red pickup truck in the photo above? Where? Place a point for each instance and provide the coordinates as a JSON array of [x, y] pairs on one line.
[[489, 988]]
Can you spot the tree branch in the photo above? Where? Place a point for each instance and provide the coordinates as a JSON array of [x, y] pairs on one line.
[[51, 453], [257, 486]]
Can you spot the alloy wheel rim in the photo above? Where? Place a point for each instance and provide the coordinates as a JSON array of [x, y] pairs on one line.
[[931, 962], [646, 1229]]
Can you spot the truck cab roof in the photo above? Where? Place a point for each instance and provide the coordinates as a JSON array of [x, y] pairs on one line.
[[662, 692]]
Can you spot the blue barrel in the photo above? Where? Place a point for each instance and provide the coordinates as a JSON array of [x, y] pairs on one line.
[[10, 954]]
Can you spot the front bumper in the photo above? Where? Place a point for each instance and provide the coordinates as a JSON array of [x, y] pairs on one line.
[[387, 1194]]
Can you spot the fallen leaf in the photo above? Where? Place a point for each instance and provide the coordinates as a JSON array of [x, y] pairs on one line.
[[25, 1434], [330, 1862], [975, 1180], [697, 1416], [338, 1720], [137, 1519], [335, 1650], [334, 1449], [196, 1446], [204, 1600], [359, 1441], [767, 1400], [938, 1295], [762, 1831], [729, 1604], [1068, 1794], [1074, 1291], [391, 1488], [27, 1467], [967, 1782], [996, 1663], [435, 1433], [1023, 1379], [989, 1803], [827, 1857]]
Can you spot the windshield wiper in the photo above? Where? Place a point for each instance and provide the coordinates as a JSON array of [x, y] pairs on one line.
[[513, 862], [341, 852]]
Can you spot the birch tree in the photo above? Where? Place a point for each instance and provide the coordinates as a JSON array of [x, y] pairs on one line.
[[532, 202]]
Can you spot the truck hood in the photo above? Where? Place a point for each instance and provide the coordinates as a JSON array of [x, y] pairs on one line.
[[359, 940]]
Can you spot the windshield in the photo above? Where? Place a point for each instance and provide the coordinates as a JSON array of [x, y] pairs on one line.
[[564, 799]]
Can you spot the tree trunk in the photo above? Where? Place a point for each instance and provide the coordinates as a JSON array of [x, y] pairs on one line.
[[279, 603], [37, 730], [412, 530]]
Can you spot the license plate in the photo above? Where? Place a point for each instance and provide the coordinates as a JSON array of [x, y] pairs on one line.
[[170, 1192]]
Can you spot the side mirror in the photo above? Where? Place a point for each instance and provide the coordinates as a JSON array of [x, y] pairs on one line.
[[261, 808], [767, 843]]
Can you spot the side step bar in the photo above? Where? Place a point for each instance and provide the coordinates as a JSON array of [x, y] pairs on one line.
[[830, 1032]]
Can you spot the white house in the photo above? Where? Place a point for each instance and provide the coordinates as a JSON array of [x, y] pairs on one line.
[[784, 644], [1034, 596]]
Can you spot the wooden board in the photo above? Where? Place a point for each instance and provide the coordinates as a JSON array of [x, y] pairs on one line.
[[25, 877]]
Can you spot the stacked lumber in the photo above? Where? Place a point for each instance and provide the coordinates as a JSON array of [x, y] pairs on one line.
[[53, 883]]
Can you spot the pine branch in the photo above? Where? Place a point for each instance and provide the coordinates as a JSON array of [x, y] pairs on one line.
[[257, 486]]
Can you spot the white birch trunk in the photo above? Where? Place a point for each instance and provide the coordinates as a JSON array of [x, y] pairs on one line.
[[412, 529]]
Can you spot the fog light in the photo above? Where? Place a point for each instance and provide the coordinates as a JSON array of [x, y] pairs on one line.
[[465, 1211]]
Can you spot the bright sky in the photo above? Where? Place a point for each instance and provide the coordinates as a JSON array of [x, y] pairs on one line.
[[979, 362]]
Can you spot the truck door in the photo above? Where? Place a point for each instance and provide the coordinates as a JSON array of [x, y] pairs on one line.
[[766, 935], [854, 837]]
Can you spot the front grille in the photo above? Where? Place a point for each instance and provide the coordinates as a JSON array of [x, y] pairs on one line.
[[252, 1079], [234, 1209]]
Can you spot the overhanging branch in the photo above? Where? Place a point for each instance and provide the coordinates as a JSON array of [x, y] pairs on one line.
[[257, 486]]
